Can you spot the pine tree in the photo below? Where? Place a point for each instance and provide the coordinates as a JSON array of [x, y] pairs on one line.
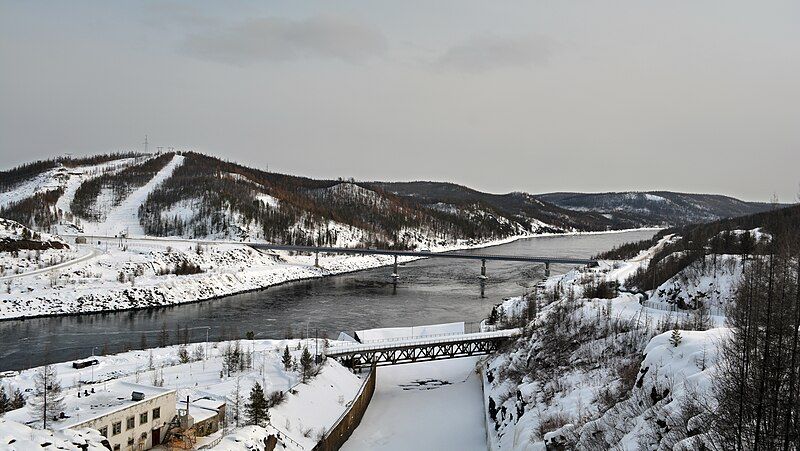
[[306, 365], [47, 401], [4, 401], [183, 354], [287, 359], [17, 400], [256, 408], [675, 339]]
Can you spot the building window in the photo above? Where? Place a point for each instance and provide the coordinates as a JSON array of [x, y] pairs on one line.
[[117, 447], [104, 431], [157, 413], [143, 418], [116, 428], [130, 423]]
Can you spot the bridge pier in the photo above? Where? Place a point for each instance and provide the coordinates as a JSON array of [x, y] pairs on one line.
[[547, 269], [483, 269], [395, 274], [316, 259]]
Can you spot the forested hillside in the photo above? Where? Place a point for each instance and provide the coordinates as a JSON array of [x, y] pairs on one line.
[[210, 197], [745, 236], [655, 208], [199, 196], [522, 206]]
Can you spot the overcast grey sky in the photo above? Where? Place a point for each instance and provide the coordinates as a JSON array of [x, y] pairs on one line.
[[533, 96]]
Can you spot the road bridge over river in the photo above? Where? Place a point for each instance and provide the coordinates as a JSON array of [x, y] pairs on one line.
[[365, 251], [425, 254], [420, 349]]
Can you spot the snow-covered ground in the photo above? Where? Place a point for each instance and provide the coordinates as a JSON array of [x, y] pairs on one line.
[[308, 409], [607, 373], [424, 406], [139, 273], [125, 217]]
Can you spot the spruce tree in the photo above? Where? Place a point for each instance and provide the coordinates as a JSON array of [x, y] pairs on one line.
[[306, 364], [256, 407], [675, 339], [287, 359], [17, 400], [4, 401]]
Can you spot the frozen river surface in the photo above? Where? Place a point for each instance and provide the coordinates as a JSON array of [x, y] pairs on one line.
[[424, 406]]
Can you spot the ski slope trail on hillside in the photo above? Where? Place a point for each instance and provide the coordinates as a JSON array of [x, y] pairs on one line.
[[83, 173], [125, 217]]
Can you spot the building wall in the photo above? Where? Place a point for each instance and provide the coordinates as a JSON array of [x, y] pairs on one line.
[[166, 402]]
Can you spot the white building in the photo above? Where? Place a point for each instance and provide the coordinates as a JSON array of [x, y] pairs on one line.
[[132, 417]]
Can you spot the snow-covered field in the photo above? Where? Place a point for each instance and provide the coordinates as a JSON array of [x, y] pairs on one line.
[[424, 406], [308, 409]]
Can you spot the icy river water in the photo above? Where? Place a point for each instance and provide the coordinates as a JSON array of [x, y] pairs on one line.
[[429, 291]]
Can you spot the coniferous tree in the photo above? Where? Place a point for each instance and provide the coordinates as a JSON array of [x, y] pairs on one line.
[[287, 359], [306, 365], [17, 400], [256, 407], [4, 400], [675, 338], [236, 401], [48, 401]]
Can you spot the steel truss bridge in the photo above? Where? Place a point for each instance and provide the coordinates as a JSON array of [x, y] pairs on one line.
[[421, 349]]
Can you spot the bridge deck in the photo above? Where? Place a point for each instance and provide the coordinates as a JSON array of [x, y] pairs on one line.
[[428, 254], [421, 341]]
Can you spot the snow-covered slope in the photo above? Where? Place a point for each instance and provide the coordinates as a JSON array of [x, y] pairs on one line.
[[610, 373], [125, 217], [637, 209]]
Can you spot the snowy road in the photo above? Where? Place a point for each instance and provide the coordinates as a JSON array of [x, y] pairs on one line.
[[424, 406], [88, 256]]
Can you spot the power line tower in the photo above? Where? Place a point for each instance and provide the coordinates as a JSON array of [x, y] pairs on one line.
[[145, 143]]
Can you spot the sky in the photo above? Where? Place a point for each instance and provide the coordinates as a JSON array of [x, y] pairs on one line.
[[535, 96]]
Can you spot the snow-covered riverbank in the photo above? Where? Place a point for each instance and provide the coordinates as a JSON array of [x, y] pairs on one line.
[[137, 274]]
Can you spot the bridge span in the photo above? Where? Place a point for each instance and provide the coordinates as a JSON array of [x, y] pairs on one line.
[[425, 254], [316, 250], [420, 349]]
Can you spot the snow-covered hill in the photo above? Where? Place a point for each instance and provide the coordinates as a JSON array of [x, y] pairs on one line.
[[609, 373], [656, 208]]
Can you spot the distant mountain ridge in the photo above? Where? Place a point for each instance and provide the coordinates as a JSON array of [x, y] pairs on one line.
[[194, 195], [656, 208]]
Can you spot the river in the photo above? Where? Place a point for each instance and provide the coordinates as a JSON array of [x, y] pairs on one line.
[[429, 291]]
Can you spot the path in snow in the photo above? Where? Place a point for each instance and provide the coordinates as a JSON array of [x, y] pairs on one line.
[[411, 409], [93, 252], [125, 217]]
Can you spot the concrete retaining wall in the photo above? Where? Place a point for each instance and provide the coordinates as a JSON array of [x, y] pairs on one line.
[[347, 423]]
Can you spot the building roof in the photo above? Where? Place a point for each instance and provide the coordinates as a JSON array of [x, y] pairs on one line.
[[108, 397]]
